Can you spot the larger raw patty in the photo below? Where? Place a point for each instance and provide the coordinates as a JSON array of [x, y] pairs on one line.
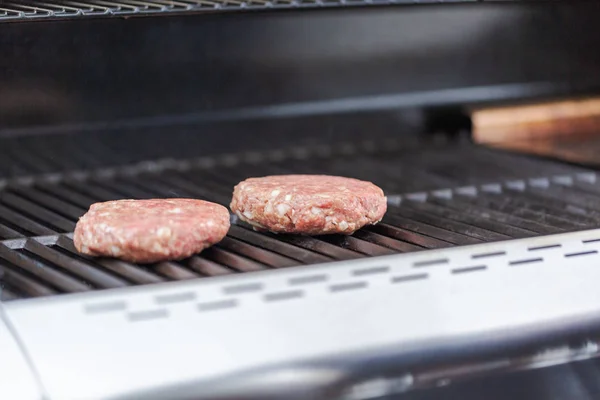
[[148, 231], [308, 204]]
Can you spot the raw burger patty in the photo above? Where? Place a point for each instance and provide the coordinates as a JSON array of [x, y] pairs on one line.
[[148, 231], [308, 204]]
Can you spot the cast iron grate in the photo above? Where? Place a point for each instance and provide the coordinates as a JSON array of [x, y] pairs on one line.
[[38, 213]]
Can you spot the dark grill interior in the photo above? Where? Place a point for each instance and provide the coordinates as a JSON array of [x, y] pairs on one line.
[[440, 196]]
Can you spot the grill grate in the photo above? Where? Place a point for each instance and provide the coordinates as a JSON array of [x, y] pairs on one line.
[[28, 10], [38, 213]]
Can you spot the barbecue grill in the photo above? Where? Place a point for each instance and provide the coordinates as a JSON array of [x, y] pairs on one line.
[[485, 263]]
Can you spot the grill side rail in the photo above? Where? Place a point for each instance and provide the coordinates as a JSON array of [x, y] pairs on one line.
[[310, 332]]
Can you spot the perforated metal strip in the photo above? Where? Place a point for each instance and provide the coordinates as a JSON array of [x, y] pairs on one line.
[[216, 334]]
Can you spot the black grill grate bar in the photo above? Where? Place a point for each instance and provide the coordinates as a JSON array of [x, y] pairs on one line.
[[513, 164], [24, 284], [572, 196], [358, 245], [177, 181], [407, 236], [156, 187], [302, 255], [72, 157], [65, 194], [52, 203], [96, 192], [234, 175], [380, 172], [148, 187], [207, 267], [586, 187], [34, 211], [491, 164], [12, 166], [173, 270], [555, 207], [317, 166], [426, 229], [509, 203], [398, 246], [30, 163], [122, 190], [224, 182], [409, 179], [42, 271], [256, 253], [88, 273], [321, 247], [40, 157], [334, 246], [180, 184], [459, 205], [467, 217], [447, 224], [131, 272], [341, 167], [217, 192], [7, 232], [27, 226], [99, 150], [232, 260]]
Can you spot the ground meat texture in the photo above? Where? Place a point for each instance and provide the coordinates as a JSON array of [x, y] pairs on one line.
[[147, 231], [308, 204]]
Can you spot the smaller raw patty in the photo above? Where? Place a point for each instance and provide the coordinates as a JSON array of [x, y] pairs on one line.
[[147, 231], [308, 204]]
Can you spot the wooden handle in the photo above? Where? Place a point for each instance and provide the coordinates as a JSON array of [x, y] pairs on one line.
[[507, 124]]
